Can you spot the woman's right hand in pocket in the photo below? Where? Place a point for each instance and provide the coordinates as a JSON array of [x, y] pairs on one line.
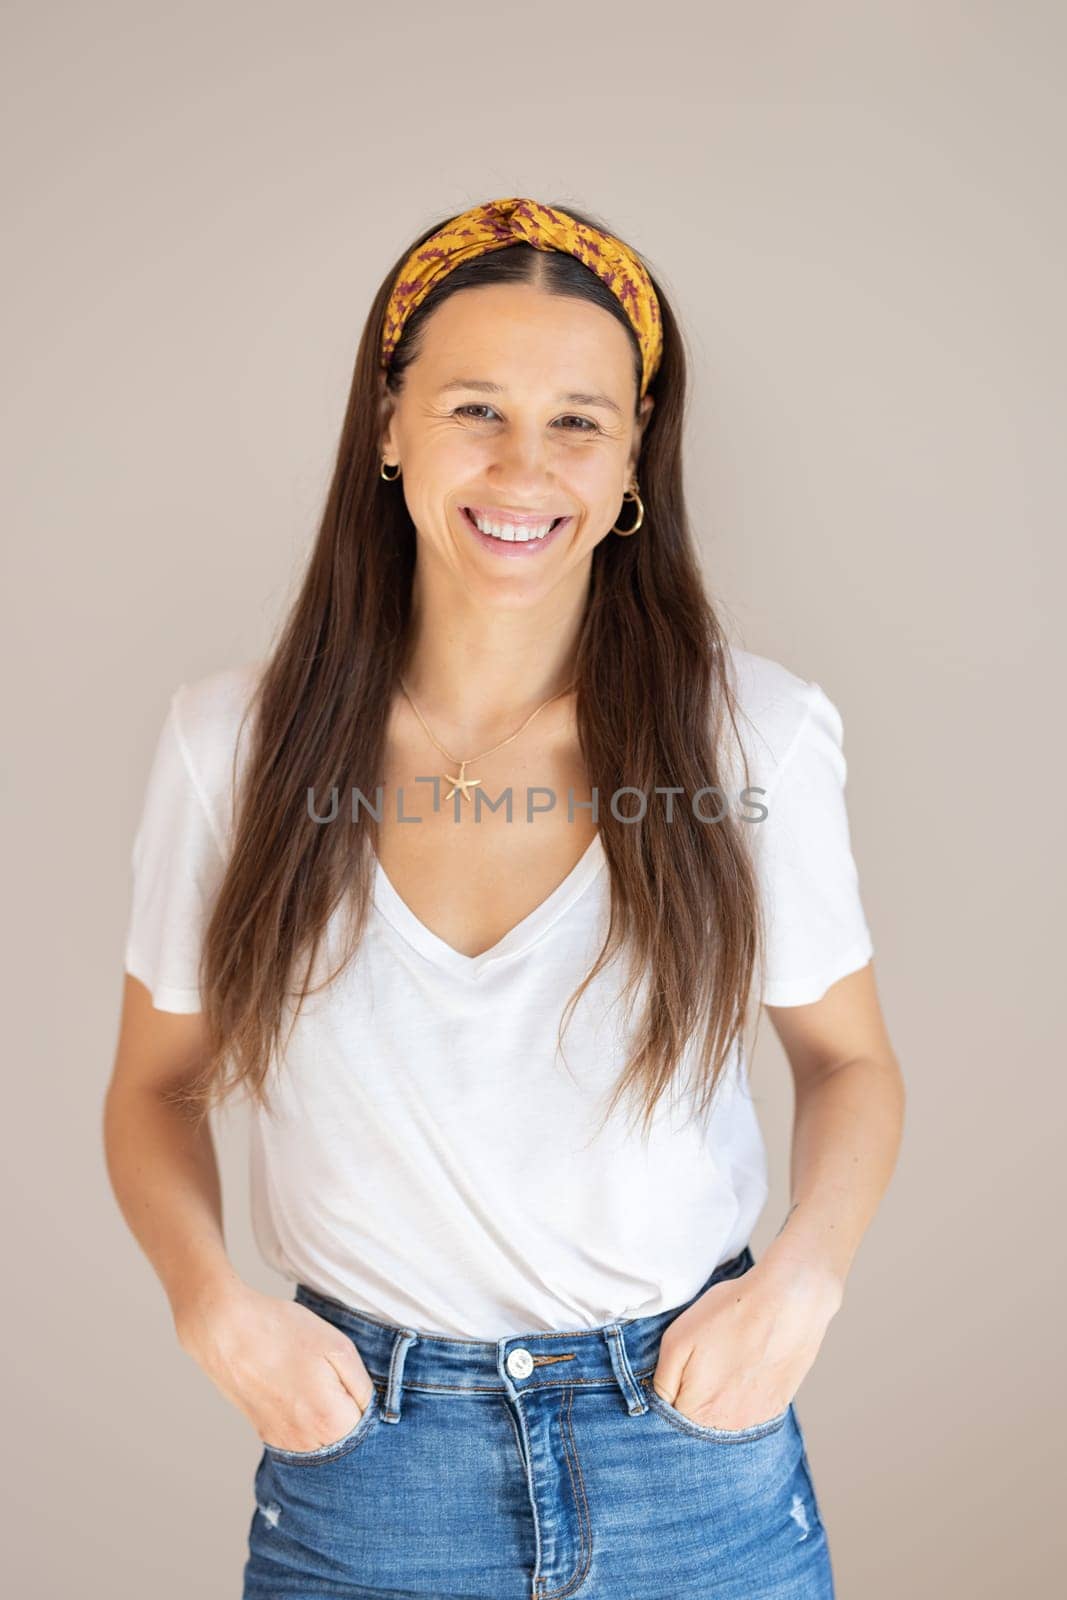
[[299, 1380]]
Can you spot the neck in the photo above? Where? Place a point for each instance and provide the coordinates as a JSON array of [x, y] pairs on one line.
[[476, 673]]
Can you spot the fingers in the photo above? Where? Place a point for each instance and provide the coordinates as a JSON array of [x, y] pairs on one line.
[[347, 1362], [667, 1378]]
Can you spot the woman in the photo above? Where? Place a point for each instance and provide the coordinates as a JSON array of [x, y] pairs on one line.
[[474, 888]]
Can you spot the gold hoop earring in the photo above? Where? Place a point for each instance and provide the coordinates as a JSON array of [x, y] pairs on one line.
[[632, 494], [390, 477]]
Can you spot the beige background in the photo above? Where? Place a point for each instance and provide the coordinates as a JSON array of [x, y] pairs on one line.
[[858, 209]]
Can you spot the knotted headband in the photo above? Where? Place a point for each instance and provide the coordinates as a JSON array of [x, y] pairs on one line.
[[498, 223]]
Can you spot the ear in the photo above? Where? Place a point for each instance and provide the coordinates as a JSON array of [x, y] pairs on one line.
[[386, 420], [644, 412]]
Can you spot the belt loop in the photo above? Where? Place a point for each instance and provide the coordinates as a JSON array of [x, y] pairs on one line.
[[405, 1338], [620, 1361]]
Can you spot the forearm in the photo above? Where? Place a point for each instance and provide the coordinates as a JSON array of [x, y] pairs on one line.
[[847, 1131], [165, 1176]]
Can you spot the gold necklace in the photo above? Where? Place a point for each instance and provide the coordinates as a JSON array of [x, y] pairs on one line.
[[460, 782]]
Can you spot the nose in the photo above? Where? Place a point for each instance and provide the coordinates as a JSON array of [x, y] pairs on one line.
[[521, 461]]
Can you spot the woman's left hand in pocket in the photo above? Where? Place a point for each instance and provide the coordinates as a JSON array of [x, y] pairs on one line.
[[737, 1356]]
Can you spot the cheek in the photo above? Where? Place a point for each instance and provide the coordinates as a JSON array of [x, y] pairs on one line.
[[436, 468], [596, 478], [451, 460]]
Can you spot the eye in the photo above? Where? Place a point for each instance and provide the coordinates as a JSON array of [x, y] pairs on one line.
[[589, 426], [473, 406]]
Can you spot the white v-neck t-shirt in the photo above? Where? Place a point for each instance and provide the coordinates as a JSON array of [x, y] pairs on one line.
[[427, 1158]]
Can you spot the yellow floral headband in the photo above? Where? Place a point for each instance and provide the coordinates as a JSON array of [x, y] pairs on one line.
[[497, 223]]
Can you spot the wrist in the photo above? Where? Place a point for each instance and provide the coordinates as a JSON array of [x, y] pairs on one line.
[[197, 1305], [807, 1271]]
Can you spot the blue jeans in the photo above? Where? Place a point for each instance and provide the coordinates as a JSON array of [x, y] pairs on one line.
[[536, 1467]]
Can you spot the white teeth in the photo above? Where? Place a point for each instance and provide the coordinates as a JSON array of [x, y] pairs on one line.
[[509, 530]]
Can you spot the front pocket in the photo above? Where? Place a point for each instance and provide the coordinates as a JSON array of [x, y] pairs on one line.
[[700, 1430], [330, 1452]]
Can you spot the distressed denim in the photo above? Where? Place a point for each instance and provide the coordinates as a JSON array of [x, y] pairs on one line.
[[534, 1467]]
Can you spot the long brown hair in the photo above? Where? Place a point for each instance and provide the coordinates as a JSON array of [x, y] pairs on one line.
[[653, 700]]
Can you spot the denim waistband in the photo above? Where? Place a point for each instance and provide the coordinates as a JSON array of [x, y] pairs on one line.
[[399, 1358]]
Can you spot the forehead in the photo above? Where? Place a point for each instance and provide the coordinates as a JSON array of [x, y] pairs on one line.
[[517, 328]]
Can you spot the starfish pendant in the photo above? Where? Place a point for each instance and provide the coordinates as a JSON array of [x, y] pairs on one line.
[[460, 782]]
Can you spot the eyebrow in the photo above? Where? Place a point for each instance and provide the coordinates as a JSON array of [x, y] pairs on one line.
[[575, 398]]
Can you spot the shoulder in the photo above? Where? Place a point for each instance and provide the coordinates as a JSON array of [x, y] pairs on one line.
[[212, 727], [777, 711], [209, 710]]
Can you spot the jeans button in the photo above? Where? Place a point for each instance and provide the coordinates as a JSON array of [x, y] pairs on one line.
[[519, 1363]]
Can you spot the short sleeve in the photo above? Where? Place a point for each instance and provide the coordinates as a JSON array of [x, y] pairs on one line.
[[816, 928], [177, 865]]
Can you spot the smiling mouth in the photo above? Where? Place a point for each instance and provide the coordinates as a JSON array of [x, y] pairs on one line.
[[511, 530]]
